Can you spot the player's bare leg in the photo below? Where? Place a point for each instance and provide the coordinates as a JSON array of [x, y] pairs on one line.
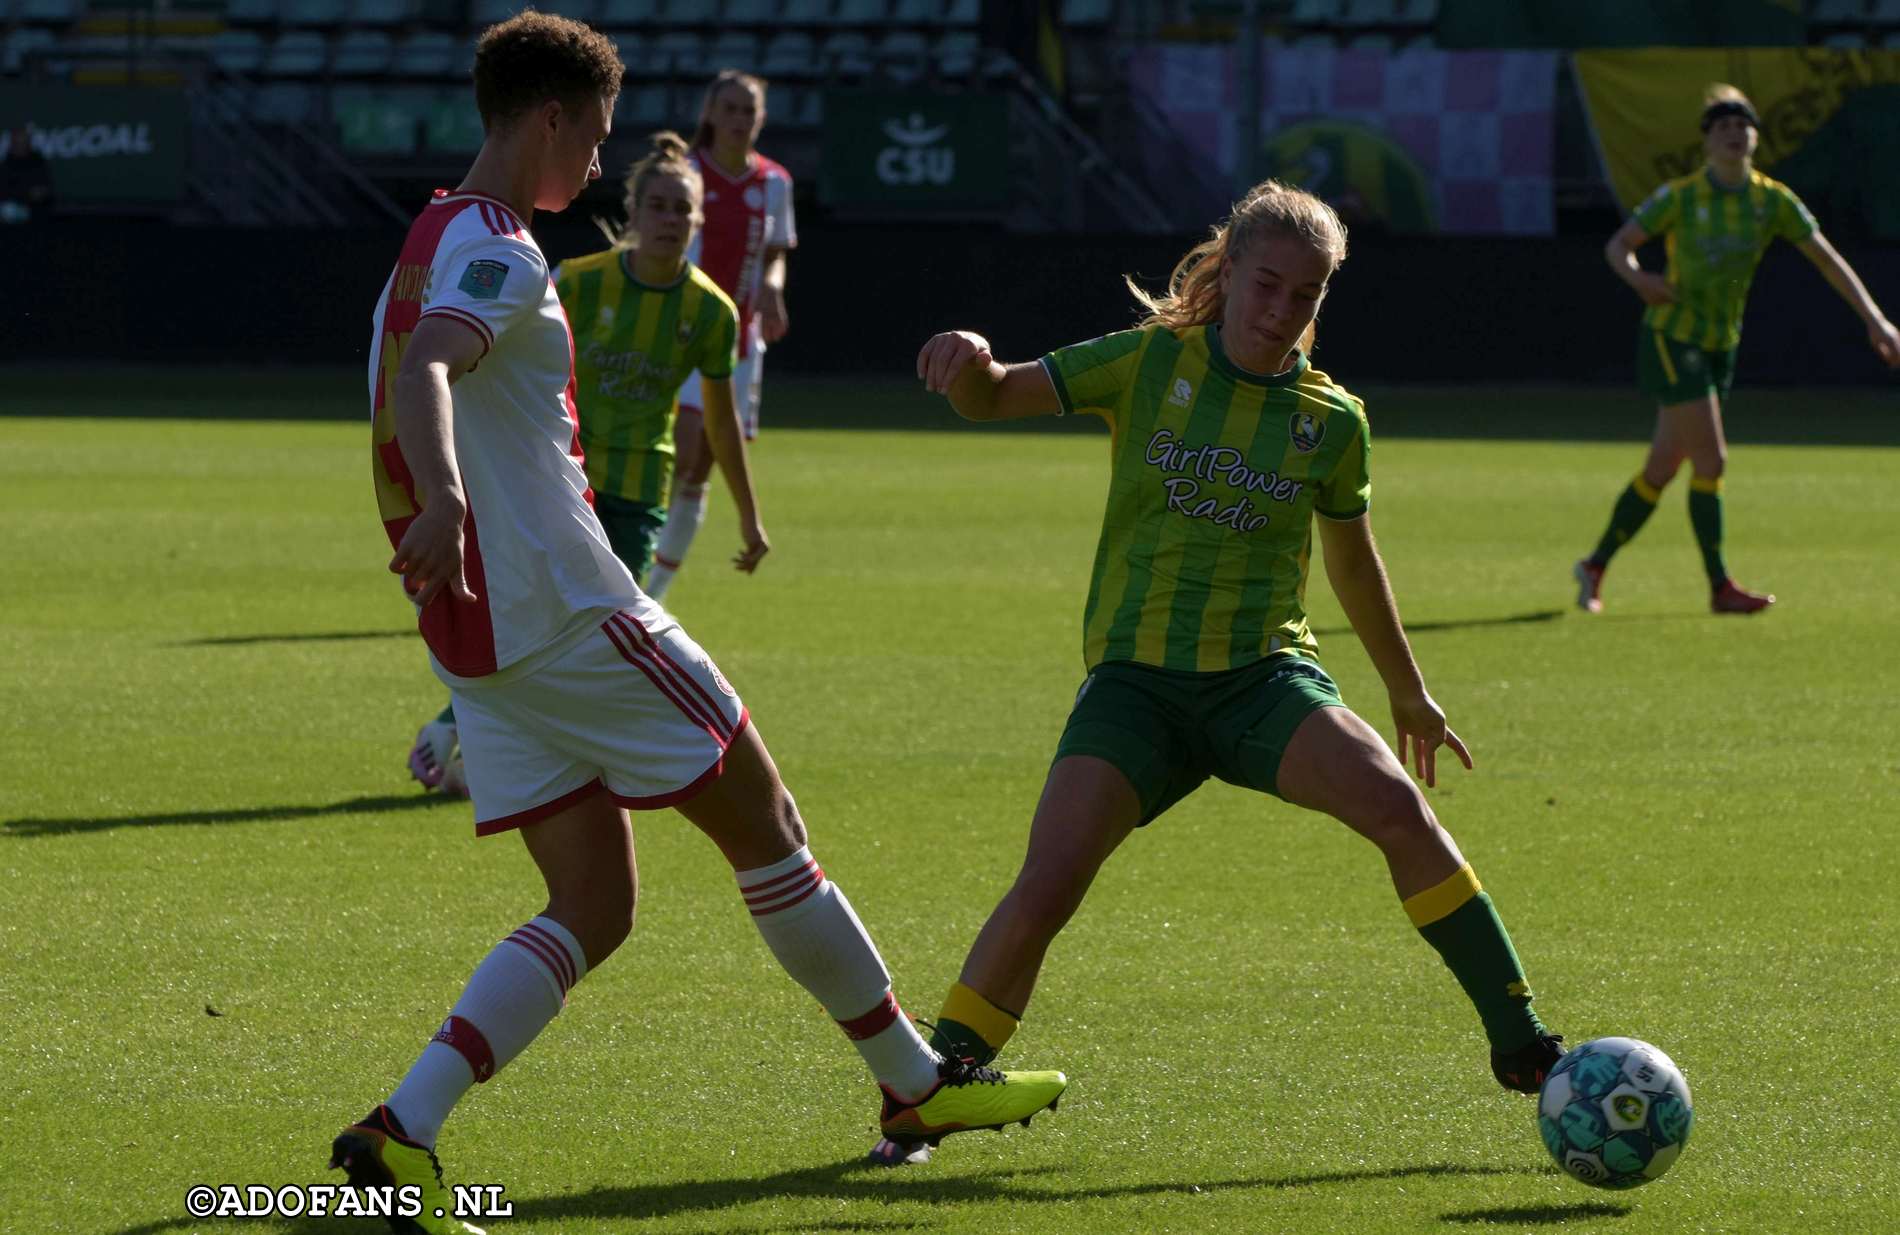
[[812, 929], [686, 504], [1336, 764]]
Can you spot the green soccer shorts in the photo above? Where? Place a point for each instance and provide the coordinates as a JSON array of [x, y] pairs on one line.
[[1670, 371], [633, 529], [1167, 731]]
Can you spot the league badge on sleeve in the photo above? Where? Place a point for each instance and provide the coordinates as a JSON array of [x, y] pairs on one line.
[[483, 279]]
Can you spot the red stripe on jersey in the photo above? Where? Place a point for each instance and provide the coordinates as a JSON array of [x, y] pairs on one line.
[[573, 408], [874, 1022], [626, 653], [468, 319]]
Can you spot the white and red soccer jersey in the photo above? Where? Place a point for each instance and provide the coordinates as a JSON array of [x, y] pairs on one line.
[[536, 557], [745, 217]]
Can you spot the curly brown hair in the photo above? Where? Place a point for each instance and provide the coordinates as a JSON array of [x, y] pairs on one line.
[[533, 57]]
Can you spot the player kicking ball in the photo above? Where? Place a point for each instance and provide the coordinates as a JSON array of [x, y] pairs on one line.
[[576, 695], [1228, 450]]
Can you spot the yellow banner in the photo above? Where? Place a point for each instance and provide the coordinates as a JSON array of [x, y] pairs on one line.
[[1645, 105]]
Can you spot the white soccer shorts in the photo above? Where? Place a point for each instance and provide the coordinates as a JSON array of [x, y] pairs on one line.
[[637, 711], [745, 391]]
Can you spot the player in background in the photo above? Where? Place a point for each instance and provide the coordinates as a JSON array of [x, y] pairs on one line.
[[1717, 222], [577, 695], [644, 317], [1225, 443], [742, 245]]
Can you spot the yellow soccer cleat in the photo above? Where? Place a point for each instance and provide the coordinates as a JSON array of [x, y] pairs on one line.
[[967, 1097], [375, 1154]]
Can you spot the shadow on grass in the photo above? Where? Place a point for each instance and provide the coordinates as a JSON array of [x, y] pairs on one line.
[[1540, 1215], [1513, 619], [252, 814], [857, 1181], [331, 636]]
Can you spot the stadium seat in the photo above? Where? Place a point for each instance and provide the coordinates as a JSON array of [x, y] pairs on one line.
[[1838, 12], [1845, 40], [250, 12], [646, 108], [378, 122], [955, 53], [904, 54], [806, 12], [1317, 12], [1083, 14], [688, 12], [1417, 13], [47, 12], [25, 42], [379, 13], [451, 124], [427, 53], [847, 53], [310, 12], [790, 55], [962, 12], [1369, 12], [683, 50], [734, 49], [640, 56], [917, 13], [284, 102], [629, 13], [1887, 12], [1374, 40], [237, 51], [861, 13], [1312, 40], [296, 53], [751, 12], [362, 53]]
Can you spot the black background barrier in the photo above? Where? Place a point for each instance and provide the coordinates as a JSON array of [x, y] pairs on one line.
[[863, 298]]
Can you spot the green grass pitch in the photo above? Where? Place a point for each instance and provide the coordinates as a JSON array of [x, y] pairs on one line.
[[231, 921]]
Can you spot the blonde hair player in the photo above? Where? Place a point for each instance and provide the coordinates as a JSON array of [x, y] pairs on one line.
[[1717, 223], [748, 230], [577, 696], [1225, 445], [644, 317]]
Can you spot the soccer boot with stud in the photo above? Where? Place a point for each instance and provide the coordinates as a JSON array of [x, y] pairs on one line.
[[436, 759], [1525, 1068], [376, 1154], [1589, 577], [966, 1097], [1732, 599]]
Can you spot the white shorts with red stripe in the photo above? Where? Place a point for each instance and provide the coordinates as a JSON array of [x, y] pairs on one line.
[[637, 711]]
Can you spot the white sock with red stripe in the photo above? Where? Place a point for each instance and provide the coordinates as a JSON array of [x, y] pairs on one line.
[[685, 511], [512, 995], [811, 928]]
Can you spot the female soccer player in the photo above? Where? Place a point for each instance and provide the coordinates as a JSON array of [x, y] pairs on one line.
[[1225, 443], [577, 695], [643, 318], [748, 229], [1718, 222]]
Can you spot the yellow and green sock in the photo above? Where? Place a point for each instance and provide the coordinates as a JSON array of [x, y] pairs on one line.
[[1705, 515], [1633, 508], [971, 1027], [1457, 918]]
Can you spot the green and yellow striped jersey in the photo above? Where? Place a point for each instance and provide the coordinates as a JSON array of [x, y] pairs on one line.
[[633, 346], [1716, 236], [1215, 475]]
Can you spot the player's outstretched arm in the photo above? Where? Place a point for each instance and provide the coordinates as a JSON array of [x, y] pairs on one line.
[[1620, 252], [429, 555], [1841, 277], [1357, 575], [728, 449], [958, 365]]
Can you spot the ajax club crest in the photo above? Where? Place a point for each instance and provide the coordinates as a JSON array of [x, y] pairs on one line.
[[1306, 431]]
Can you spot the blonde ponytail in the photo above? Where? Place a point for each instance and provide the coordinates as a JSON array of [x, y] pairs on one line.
[[667, 154]]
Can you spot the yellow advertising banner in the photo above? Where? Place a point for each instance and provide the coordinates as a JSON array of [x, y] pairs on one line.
[[1645, 104]]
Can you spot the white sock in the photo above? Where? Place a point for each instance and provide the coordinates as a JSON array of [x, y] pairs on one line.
[[685, 511], [811, 928], [512, 995]]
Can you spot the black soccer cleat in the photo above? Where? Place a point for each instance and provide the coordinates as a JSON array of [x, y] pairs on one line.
[[1524, 1069]]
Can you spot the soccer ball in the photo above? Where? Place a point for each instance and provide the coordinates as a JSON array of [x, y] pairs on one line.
[[1615, 1113]]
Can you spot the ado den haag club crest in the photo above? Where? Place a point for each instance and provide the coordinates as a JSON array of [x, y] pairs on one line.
[[1306, 430]]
